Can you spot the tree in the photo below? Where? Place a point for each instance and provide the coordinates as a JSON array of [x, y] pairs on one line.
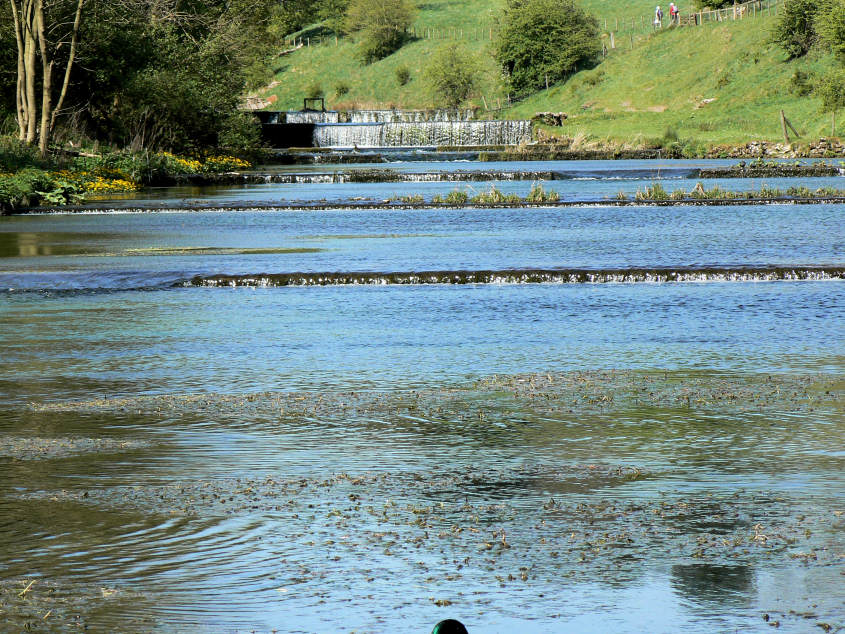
[[41, 31], [291, 15], [333, 14], [379, 25], [830, 26], [542, 39], [831, 89], [451, 75], [795, 30], [157, 74]]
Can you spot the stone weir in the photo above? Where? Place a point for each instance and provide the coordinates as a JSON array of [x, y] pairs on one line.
[[526, 276], [389, 129]]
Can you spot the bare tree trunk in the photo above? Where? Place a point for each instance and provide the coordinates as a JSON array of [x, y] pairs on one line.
[[19, 109], [71, 56], [46, 79], [29, 69]]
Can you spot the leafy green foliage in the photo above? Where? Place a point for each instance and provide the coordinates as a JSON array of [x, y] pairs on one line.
[[289, 16], [830, 26], [544, 38], [379, 26], [333, 14], [801, 83], [711, 4], [831, 89], [451, 74], [15, 155], [20, 189], [795, 30]]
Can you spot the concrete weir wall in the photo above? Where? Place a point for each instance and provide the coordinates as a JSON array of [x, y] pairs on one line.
[[388, 128]]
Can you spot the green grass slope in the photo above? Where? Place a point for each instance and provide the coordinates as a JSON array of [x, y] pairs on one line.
[[717, 83], [467, 23]]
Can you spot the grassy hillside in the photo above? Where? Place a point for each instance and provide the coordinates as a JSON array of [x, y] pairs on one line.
[[718, 83], [466, 22]]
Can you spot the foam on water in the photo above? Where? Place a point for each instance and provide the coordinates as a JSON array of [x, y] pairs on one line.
[[533, 276]]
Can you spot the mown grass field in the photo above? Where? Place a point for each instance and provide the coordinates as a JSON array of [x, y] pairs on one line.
[[718, 83]]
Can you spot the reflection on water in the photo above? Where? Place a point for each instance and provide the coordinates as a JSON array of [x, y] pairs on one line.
[[379, 458], [718, 584]]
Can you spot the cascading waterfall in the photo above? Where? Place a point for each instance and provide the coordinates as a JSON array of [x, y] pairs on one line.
[[406, 116], [308, 116], [426, 133]]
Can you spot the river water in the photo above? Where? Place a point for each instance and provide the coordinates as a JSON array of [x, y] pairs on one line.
[[188, 443]]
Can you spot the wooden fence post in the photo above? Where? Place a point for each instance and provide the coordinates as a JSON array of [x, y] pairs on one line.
[[783, 127], [791, 127]]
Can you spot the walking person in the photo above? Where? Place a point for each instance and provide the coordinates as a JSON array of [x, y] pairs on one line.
[[658, 18]]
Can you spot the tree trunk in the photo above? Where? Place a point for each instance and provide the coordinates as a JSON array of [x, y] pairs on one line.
[[46, 80], [37, 41], [71, 56], [30, 49], [20, 111]]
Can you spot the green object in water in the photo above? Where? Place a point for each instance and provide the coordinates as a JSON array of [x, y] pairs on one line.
[[449, 626]]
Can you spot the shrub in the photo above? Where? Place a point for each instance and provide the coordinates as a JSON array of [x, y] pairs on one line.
[[379, 26], [451, 75], [340, 89], [403, 75], [544, 38], [15, 155], [31, 186], [314, 91], [794, 30], [801, 83]]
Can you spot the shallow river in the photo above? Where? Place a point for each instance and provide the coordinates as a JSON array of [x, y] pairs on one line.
[[186, 445]]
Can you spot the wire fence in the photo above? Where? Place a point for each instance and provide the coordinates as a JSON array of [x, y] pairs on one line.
[[611, 25], [752, 9]]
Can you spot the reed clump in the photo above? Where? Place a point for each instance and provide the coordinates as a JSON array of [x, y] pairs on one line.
[[656, 191]]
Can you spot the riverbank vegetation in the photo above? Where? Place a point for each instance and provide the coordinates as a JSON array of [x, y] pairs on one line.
[[28, 179], [101, 97]]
